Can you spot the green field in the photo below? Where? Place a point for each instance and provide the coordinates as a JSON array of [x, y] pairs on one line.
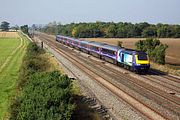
[[11, 54]]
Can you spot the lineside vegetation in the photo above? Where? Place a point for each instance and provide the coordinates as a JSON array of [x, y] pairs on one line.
[[43, 94]]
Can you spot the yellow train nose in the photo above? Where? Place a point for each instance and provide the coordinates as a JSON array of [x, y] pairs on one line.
[[141, 61]]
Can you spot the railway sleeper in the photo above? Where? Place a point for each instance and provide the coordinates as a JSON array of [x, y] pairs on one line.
[[97, 107], [106, 117]]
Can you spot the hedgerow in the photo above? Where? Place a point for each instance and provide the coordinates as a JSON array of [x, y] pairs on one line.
[[44, 95]]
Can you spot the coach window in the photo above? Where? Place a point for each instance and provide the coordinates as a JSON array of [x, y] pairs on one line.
[[94, 48], [110, 52]]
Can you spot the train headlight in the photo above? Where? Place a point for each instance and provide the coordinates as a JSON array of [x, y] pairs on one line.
[[138, 64]]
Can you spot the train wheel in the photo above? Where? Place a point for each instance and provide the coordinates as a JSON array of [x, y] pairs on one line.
[[132, 69], [122, 65], [102, 58], [115, 62]]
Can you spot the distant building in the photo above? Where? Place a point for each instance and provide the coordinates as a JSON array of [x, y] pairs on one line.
[[12, 30]]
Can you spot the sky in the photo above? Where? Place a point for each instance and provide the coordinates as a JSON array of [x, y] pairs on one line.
[[30, 12]]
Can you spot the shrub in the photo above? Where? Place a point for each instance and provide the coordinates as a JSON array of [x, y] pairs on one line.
[[154, 48], [119, 43], [158, 54], [44, 95]]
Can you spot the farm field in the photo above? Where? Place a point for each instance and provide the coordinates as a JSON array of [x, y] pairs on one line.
[[9, 34], [12, 49], [172, 55]]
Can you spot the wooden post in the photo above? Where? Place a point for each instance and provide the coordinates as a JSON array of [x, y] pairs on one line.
[[42, 44]]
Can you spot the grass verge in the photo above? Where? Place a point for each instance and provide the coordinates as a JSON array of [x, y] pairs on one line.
[[166, 68], [12, 51]]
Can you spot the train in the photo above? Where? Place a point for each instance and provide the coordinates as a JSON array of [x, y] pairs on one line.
[[133, 60]]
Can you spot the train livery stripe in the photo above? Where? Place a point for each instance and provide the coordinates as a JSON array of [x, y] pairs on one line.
[[141, 61]]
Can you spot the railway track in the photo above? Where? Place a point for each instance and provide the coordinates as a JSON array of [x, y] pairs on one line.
[[166, 76], [117, 82], [169, 85]]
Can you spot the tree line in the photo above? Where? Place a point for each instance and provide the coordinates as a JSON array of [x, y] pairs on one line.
[[5, 26], [112, 30]]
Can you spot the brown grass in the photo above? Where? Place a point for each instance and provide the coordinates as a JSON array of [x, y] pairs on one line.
[[9, 34], [54, 63], [167, 68]]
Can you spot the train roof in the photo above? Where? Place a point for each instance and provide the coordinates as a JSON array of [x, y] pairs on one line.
[[64, 37], [59, 36], [84, 41], [97, 44], [103, 45], [131, 51], [111, 47], [69, 38]]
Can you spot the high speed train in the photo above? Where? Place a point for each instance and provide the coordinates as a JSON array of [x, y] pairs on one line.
[[130, 59]]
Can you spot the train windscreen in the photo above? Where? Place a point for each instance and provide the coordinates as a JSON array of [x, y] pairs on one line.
[[142, 57]]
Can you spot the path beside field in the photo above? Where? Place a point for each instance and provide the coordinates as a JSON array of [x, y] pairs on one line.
[[9, 71]]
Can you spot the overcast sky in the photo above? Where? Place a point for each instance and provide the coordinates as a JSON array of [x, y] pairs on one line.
[[66, 11]]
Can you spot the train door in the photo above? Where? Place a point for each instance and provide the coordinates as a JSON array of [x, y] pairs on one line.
[[122, 57], [119, 56]]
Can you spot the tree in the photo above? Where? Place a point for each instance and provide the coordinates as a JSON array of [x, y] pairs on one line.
[[158, 53], [111, 31], [177, 31], [154, 48], [119, 43], [24, 29], [75, 32], [4, 26], [16, 27], [161, 32], [149, 32], [140, 46]]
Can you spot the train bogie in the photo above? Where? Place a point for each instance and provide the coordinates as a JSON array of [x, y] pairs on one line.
[[95, 54]]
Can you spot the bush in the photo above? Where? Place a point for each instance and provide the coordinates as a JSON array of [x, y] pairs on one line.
[[154, 48], [158, 54], [33, 62], [119, 43], [33, 51], [44, 95]]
